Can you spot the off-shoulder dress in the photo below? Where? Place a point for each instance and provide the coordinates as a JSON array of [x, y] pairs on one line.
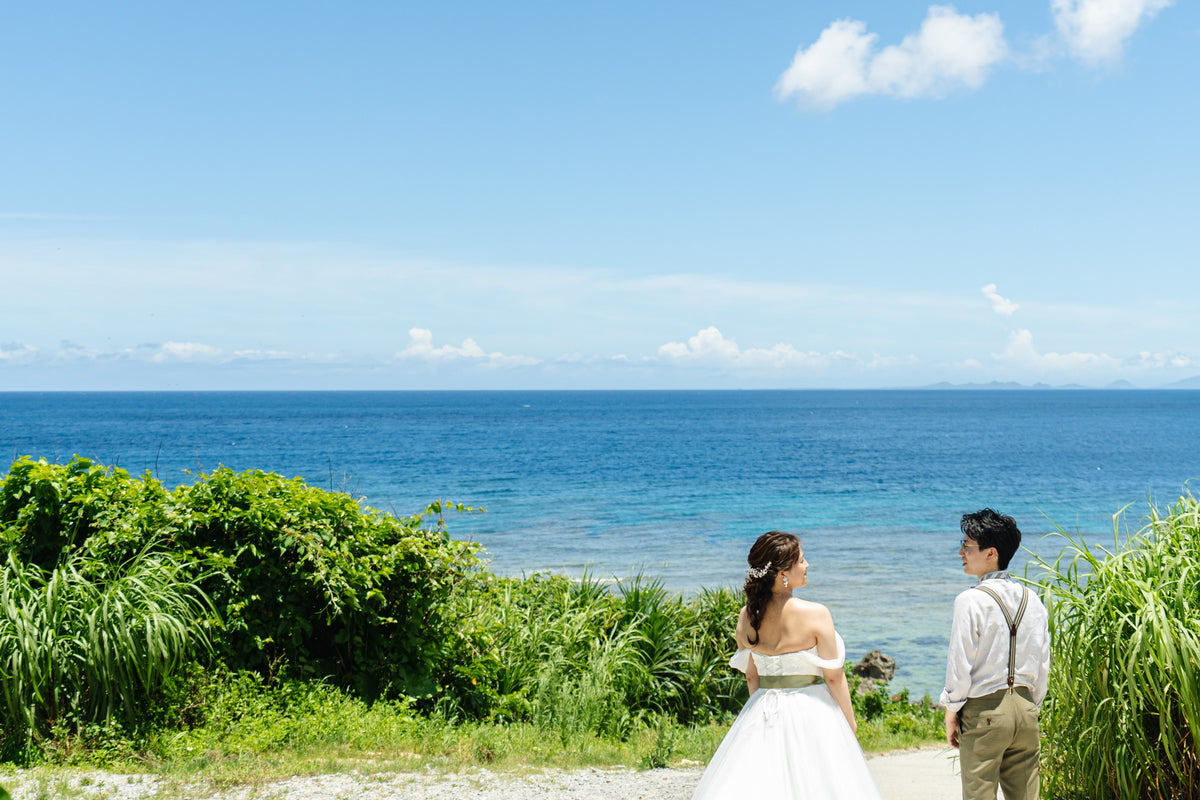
[[791, 740]]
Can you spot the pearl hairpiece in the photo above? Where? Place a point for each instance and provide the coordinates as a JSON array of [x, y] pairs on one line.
[[758, 572]]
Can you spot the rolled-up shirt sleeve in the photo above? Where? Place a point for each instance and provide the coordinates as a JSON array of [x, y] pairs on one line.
[[963, 647], [1043, 677]]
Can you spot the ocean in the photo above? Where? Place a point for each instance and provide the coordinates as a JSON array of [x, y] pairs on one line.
[[677, 484]]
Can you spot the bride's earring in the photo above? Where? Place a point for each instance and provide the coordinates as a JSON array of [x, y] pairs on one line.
[[785, 581]]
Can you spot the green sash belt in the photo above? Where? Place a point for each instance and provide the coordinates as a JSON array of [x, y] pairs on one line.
[[787, 681]]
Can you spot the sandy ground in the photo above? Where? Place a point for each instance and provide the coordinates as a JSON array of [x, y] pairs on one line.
[[928, 774]]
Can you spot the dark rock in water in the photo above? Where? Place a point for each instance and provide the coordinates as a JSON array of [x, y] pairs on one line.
[[876, 666]]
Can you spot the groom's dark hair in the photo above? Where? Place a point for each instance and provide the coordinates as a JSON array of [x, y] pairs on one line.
[[989, 529]]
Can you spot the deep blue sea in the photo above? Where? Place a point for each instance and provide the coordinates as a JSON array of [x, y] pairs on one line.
[[678, 484]]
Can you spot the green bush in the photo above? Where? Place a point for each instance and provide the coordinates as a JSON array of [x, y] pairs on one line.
[[313, 580], [50, 509], [302, 579], [898, 712], [1122, 718]]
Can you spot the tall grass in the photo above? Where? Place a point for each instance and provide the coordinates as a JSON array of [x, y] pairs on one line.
[[576, 656], [86, 641], [1123, 714]]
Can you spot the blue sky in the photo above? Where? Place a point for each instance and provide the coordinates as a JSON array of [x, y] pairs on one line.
[[598, 195]]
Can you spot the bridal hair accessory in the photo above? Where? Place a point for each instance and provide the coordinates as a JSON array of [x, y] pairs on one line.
[[758, 572]]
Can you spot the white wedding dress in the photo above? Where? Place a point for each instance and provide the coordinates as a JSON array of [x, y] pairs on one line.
[[789, 743]]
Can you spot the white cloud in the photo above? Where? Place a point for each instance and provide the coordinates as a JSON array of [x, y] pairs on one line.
[[832, 70], [1096, 30], [421, 347], [17, 353], [951, 51], [1000, 304], [171, 352], [1167, 360], [1020, 352], [72, 351], [185, 351], [710, 347], [263, 355]]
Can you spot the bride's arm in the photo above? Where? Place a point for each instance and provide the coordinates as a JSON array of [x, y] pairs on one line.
[[835, 678], [752, 677], [743, 643]]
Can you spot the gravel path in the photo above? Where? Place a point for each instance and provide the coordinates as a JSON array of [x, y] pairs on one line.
[[586, 784], [912, 775]]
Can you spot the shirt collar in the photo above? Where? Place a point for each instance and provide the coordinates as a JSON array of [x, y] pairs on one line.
[[998, 575]]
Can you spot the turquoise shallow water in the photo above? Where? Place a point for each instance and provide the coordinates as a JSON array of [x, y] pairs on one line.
[[678, 484]]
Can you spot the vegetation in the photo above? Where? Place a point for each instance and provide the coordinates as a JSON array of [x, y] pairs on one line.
[[575, 656], [88, 641], [112, 584], [1123, 713], [248, 625], [894, 722]]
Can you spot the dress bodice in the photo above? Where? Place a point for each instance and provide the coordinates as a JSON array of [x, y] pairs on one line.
[[801, 662]]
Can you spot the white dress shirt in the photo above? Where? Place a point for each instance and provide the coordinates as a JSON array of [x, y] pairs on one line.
[[978, 661]]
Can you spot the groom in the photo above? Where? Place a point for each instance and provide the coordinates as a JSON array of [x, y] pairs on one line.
[[998, 665]]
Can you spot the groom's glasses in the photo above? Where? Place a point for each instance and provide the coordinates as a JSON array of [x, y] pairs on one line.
[[966, 544]]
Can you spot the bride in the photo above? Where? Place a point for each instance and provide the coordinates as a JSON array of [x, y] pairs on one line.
[[795, 737]]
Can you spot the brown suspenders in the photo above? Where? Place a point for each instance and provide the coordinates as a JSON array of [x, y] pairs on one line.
[[1013, 622]]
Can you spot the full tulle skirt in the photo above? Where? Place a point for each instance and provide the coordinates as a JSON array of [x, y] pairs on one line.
[[788, 744]]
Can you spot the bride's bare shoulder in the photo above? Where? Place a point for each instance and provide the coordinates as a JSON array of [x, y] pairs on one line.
[[807, 608]]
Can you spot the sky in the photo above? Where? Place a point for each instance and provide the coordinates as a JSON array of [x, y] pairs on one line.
[[616, 195]]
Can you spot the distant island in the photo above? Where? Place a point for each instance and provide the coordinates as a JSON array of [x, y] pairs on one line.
[[1187, 383]]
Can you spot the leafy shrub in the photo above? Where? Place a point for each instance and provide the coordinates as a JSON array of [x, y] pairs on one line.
[[898, 711], [312, 579], [303, 579], [48, 509]]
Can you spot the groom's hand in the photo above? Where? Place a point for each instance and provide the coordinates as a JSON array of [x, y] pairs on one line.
[[952, 728]]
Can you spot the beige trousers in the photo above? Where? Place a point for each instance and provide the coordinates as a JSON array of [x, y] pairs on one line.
[[998, 745]]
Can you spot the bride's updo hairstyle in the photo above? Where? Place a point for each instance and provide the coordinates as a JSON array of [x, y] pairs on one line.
[[772, 552]]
